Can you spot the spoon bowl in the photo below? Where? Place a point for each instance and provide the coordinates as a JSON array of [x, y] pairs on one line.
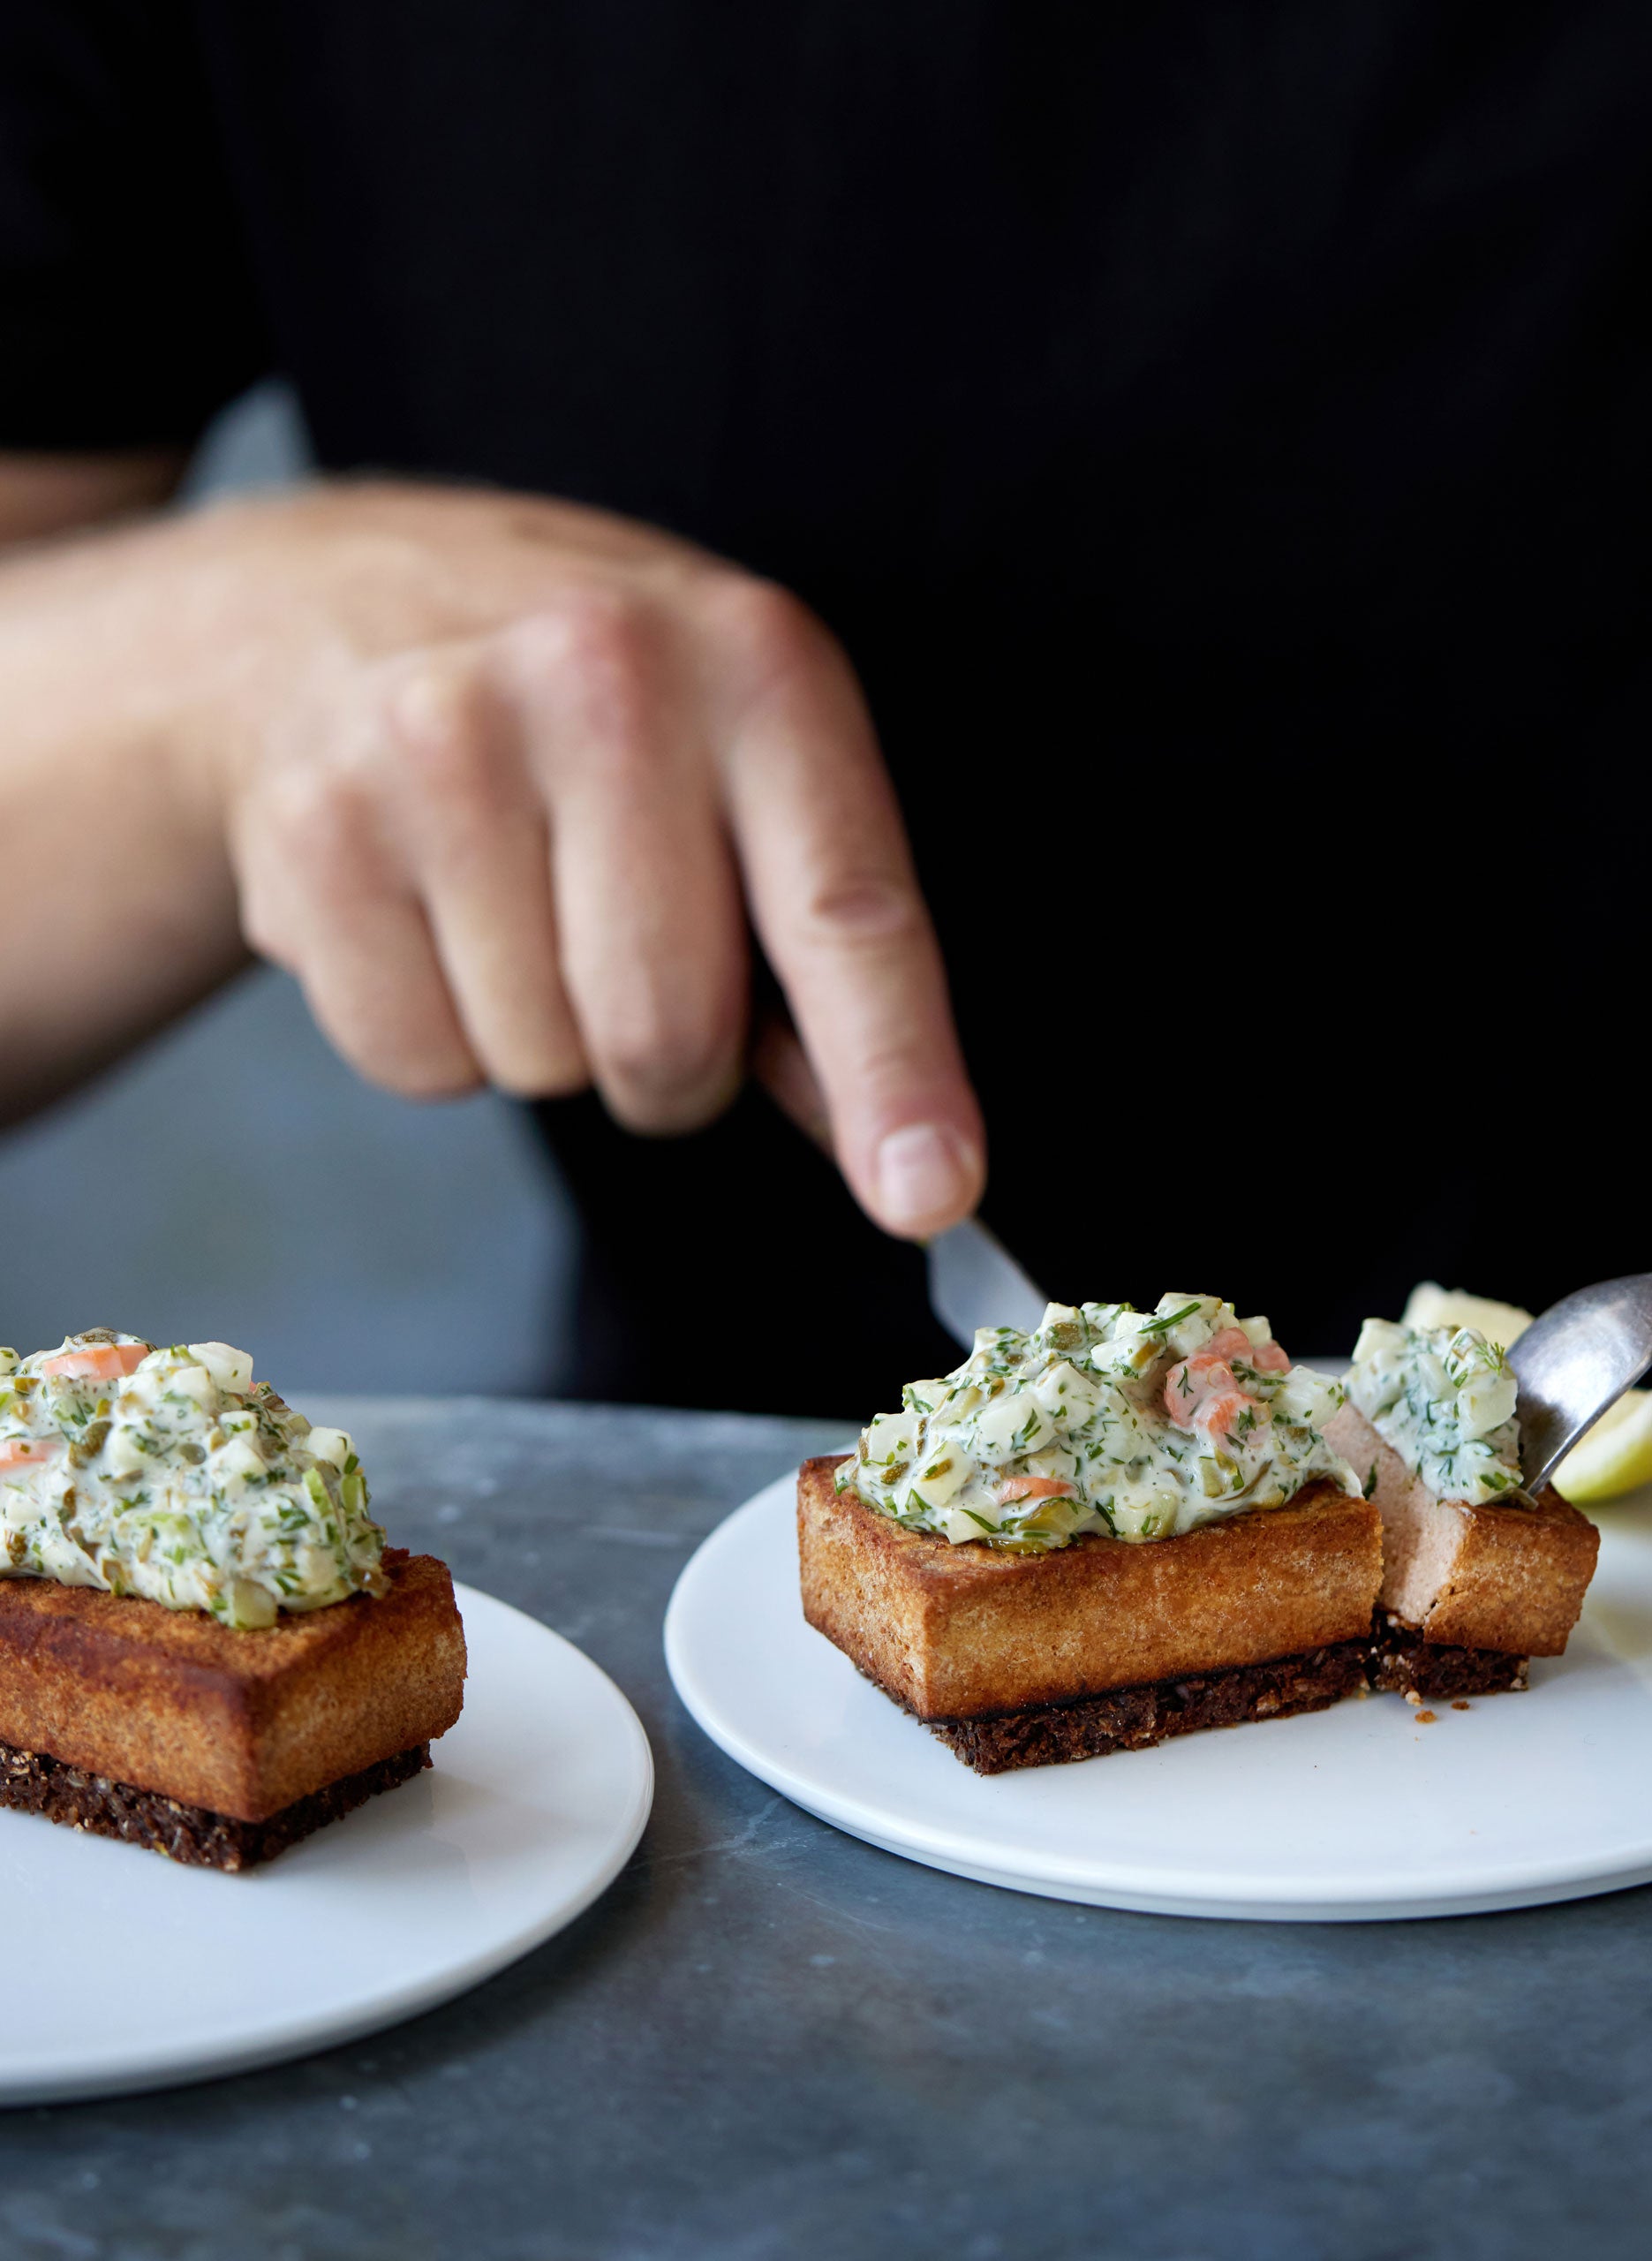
[[1575, 1361]]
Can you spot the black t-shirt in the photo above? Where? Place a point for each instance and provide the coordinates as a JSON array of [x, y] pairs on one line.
[[1217, 432]]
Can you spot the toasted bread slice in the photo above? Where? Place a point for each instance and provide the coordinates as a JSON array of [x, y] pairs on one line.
[[958, 1633], [1504, 1577], [243, 1724]]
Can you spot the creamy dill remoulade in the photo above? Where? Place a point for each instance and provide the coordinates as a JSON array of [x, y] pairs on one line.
[[168, 1473], [1444, 1398], [1140, 1425]]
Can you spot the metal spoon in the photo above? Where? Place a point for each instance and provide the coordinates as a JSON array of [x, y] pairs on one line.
[[1574, 1362]]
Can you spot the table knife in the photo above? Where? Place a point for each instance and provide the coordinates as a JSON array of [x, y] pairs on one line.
[[975, 1281]]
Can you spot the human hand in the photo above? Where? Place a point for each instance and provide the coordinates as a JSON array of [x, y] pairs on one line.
[[505, 783]]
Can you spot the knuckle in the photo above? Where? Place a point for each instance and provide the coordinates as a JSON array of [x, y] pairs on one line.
[[595, 664], [765, 631], [668, 1070], [893, 1063], [593, 639], [860, 910], [309, 817], [432, 723]]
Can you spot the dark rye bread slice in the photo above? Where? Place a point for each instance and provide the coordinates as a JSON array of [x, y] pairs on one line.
[[241, 1724], [1392, 1660], [1402, 1663], [957, 1634], [190, 1834], [1134, 1718], [1504, 1577]]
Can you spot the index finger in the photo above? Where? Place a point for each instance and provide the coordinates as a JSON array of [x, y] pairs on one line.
[[837, 907]]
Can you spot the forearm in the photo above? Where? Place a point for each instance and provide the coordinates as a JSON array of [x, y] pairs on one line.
[[118, 911]]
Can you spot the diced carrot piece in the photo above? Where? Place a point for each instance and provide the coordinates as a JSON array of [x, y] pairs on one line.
[[1218, 1414], [98, 1361], [1190, 1382], [1032, 1487], [23, 1452], [1232, 1342]]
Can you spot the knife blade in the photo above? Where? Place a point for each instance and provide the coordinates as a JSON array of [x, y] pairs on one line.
[[975, 1281]]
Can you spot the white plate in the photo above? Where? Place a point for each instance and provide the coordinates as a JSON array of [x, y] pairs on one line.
[[128, 1973], [1356, 1813]]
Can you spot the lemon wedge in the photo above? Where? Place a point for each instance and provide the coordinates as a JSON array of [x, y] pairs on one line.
[[1428, 1305], [1613, 1457]]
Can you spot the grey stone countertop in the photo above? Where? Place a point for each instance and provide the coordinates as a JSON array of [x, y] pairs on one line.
[[770, 2040]]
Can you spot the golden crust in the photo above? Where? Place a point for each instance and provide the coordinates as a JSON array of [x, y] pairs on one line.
[[241, 1722], [962, 1632], [1498, 1576]]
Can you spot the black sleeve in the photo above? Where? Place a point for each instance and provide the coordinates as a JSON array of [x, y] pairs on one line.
[[127, 312]]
